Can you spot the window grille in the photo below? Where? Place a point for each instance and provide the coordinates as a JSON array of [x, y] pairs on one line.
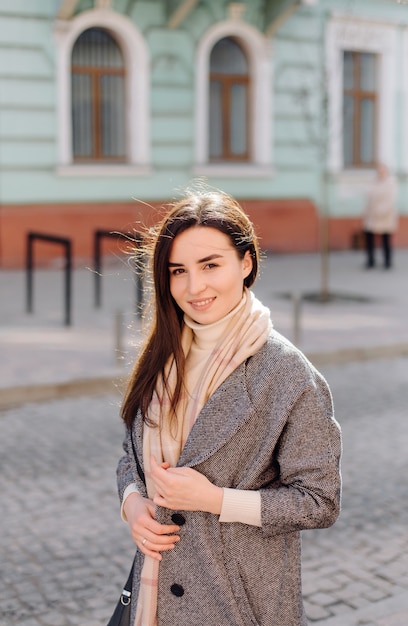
[[98, 98]]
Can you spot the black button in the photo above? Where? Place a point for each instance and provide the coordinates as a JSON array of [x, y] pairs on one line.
[[177, 590], [178, 519]]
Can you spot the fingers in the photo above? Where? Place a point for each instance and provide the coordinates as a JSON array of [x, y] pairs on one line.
[[164, 477], [152, 545], [157, 528], [178, 487], [150, 536], [157, 469], [154, 531]]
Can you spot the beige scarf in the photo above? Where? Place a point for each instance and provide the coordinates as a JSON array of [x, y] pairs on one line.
[[247, 329]]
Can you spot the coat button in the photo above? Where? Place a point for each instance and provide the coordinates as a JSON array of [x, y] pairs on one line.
[[178, 519], [177, 590]]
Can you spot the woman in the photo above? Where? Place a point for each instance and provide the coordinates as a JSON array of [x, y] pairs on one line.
[[233, 430], [380, 216]]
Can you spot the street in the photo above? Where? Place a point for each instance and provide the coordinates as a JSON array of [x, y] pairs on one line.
[[363, 558], [66, 552]]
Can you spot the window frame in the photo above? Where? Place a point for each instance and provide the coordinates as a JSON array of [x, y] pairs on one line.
[[360, 35], [95, 73], [404, 63], [227, 82], [358, 95], [135, 55], [257, 48]]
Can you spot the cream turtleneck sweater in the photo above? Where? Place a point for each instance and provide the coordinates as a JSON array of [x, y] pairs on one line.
[[238, 505]]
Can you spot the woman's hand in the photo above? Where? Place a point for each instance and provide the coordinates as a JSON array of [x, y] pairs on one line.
[[149, 535], [185, 489]]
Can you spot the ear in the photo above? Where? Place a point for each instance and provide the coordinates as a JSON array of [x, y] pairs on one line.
[[247, 264]]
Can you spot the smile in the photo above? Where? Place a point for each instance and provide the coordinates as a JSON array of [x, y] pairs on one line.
[[198, 304]]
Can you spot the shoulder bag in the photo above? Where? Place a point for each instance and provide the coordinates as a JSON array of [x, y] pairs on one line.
[[121, 614]]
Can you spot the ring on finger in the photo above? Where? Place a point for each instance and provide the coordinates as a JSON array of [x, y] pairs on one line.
[[144, 541]]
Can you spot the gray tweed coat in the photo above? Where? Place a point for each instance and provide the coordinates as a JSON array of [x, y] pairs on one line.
[[268, 427]]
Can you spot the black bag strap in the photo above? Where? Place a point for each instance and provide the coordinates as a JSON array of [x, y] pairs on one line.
[[127, 589], [121, 615]]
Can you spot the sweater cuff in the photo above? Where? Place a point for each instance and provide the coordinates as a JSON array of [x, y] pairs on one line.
[[241, 505], [132, 488]]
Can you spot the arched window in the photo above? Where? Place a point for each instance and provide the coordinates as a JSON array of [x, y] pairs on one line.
[[233, 106], [98, 98], [229, 102]]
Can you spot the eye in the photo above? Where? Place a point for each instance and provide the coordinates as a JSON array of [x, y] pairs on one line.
[[210, 266], [176, 271]]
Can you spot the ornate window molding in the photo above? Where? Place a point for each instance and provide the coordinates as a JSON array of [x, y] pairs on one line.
[[360, 35], [137, 91]]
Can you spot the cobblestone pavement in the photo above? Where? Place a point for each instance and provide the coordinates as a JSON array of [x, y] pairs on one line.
[[65, 551], [363, 559]]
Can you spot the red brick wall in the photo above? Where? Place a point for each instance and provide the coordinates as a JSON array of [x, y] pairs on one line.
[[75, 221], [282, 225]]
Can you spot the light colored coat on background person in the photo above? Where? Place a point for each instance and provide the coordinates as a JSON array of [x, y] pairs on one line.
[[268, 427], [380, 214]]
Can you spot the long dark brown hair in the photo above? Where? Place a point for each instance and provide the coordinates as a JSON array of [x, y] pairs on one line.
[[212, 209]]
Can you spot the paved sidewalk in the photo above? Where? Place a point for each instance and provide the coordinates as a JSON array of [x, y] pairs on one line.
[[39, 357]]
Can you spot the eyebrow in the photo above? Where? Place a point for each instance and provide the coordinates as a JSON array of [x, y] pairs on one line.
[[205, 259]]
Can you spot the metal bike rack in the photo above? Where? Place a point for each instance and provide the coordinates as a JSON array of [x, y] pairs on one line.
[[66, 244], [99, 235]]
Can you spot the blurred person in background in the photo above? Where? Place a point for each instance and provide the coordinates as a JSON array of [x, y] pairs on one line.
[[380, 216]]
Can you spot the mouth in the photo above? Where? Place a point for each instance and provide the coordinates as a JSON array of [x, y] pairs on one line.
[[201, 304]]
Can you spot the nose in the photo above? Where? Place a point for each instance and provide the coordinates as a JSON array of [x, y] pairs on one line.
[[196, 283]]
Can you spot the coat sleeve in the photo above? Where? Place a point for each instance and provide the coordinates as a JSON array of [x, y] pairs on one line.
[[126, 472], [307, 494]]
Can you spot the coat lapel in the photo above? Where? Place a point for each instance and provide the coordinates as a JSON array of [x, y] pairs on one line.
[[221, 417]]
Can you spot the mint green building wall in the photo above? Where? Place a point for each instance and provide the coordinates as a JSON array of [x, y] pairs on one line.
[[27, 97], [28, 103]]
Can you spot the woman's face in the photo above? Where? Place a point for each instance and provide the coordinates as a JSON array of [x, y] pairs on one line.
[[206, 273]]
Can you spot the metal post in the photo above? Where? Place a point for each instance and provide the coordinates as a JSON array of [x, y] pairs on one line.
[[119, 352], [68, 268], [97, 268], [296, 300], [29, 274], [139, 266], [139, 295], [31, 237], [137, 239]]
